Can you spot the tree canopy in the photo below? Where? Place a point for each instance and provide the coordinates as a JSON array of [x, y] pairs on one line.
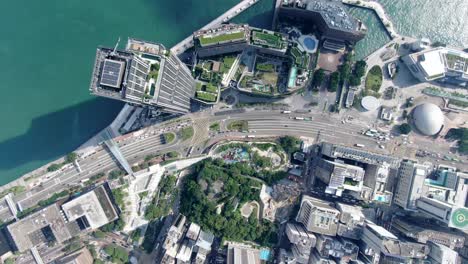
[[200, 206], [405, 128]]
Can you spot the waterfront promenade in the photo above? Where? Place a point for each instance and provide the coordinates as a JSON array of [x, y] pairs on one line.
[[187, 43], [379, 10]]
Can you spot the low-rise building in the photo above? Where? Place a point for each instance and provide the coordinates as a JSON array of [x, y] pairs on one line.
[[92, 209], [82, 256], [351, 221], [440, 254], [445, 65], [241, 254], [361, 155], [339, 176], [423, 231], [55, 224], [379, 245], [301, 240], [337, 248], [175, 233], [203, 246], [45, 226]]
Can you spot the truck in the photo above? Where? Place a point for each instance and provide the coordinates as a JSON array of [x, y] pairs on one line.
[[359, 145]]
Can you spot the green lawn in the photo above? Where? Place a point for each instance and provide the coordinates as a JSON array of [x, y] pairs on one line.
[[214, 126], [267, 39], [266, 67], [169, 137], [210, 88], [227, 63], [374, 79], [199, 86], [240, 125], [208, 97], [186, 133], [221, 38]]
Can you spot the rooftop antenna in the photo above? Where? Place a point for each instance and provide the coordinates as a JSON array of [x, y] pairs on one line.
[[116, 45]]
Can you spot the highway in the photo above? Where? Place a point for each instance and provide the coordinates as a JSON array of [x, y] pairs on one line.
[[187, 43], [261, 123]]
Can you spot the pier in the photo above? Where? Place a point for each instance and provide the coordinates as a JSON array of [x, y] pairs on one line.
[[187, 43], [379, 10]]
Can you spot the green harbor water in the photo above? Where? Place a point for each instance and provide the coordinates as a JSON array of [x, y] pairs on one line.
[[48, 47]]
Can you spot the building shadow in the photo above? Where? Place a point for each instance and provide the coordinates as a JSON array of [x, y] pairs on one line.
[[55, 134]]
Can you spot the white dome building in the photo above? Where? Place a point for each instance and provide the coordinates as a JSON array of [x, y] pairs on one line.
[[428, 118]]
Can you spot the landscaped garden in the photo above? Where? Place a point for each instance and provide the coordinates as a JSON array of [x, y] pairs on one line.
[[207, 40], [374, 79], [206, 92], [213, 195]]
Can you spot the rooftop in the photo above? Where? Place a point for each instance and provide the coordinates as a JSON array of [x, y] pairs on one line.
[[95, 206], [334, 14], [145, 47], [339, 151], [222, 34], [269, 39], [45, 225]]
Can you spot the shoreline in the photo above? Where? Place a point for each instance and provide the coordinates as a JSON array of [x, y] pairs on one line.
[[91, 145], [379, 11]]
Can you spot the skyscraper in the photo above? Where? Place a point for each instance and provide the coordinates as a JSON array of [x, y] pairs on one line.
[[411, 176], [145, 74]]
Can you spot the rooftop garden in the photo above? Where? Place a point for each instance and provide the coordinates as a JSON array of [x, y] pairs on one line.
[[225, 37], [227, 63], [269, 40], [206, 92], [455, 60]]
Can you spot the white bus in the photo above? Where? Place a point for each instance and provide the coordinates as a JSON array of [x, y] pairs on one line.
[[286, 112], [359, 145], [299, 118], [250, 136]]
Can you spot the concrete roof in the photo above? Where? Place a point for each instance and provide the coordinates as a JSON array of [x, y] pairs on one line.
[[29, 231], [432, 63], [370, 103], [95, 205], [428, 118]]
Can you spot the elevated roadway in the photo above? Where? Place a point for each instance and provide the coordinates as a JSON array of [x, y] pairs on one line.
[[187, 43]]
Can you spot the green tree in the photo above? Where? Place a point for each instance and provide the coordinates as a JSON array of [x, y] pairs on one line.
[[290, 144], [360, 68], [71, 157], [99, 234], [354, 80], [54, 167], [319, 77], [334, 82], [345, 71], [405, 128]]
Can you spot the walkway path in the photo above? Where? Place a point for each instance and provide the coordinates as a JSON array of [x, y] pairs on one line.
[[379, 10]]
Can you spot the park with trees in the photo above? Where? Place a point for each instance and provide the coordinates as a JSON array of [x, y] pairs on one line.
[[215, 184]]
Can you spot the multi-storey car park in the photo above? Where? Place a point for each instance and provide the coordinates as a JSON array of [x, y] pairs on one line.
[[145, 74]]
